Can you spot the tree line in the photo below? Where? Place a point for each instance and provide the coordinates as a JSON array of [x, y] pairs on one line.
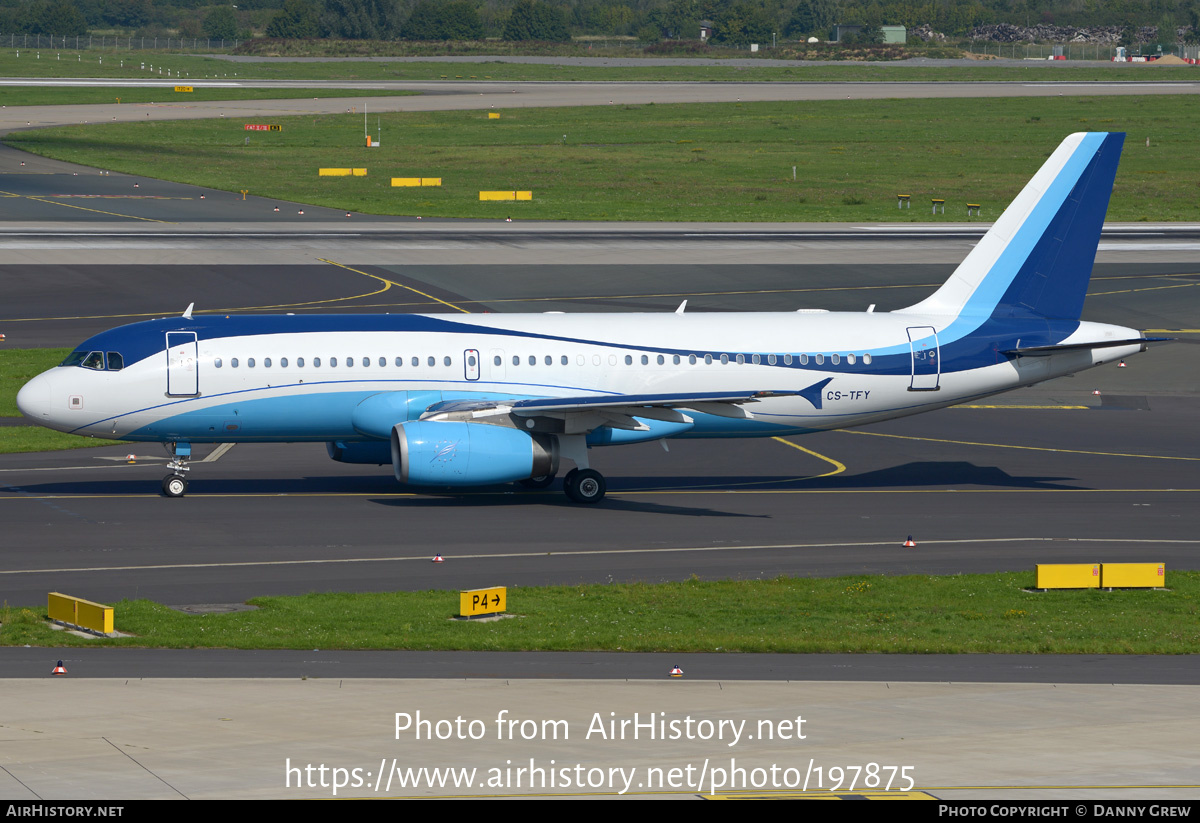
[[731, 22]]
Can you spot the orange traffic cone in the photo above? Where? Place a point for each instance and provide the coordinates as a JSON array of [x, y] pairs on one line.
[[909, 544], [676, 672], [59, 669], [1121, 365]]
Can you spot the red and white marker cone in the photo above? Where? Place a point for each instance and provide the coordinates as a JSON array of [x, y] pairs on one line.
[[1096, 392], [131, 457], [202, 197], [1121, 365], [301, 211], [437, 558], [59, 669], [909, 544], [347, 214], [277, 208], [676, 672]]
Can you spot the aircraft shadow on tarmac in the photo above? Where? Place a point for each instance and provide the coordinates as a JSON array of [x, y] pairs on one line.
[[935, 474]]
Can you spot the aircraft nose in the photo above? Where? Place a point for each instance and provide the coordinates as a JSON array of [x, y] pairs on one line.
[[34, 398]]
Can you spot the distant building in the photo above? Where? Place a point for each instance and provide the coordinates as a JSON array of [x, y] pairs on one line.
[[842, 31], [706, 29], [894, 34]]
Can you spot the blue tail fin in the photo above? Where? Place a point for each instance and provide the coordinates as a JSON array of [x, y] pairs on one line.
[[1037, 258]]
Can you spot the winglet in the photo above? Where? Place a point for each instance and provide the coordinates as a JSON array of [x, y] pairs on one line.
[[682, 306], [188, 311]]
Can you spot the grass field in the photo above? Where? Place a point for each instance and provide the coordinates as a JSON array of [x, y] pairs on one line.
[[671, 162], [190, 67], [911, 614]]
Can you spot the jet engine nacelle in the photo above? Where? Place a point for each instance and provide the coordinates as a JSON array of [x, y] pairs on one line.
[[452, 453]]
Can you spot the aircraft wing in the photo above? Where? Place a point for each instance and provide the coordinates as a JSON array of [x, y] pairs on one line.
[[618, 410]]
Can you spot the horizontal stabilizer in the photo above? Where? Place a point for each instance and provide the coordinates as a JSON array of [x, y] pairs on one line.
[[1043, 351]]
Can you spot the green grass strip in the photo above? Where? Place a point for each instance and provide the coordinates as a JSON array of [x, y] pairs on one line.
[[703, 162], [123, 64], [993, 613]]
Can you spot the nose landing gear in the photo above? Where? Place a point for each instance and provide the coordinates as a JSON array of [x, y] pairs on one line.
[[175, 484]]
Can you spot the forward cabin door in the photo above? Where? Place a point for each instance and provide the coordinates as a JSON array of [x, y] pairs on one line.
[[182, 369], [926, 360]]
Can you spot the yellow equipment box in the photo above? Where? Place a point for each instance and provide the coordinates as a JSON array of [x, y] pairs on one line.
[[75, 611], [1068, 576], [1132, 575]]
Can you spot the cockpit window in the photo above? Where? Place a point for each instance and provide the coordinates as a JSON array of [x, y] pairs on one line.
[[115, 361], [74, 358], [94, 360]]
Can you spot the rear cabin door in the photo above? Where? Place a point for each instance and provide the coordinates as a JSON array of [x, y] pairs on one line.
[[926, 363], [182, 369]]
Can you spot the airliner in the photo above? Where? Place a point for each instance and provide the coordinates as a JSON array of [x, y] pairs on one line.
[[482, 399]]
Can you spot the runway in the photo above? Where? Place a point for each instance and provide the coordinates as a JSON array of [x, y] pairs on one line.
[[1056, 473]]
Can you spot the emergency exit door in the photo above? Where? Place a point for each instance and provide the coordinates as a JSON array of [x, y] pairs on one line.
[[182, 369]]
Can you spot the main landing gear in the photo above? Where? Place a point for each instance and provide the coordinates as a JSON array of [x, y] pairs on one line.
[[175, 484], [581, 485], [585, 485]]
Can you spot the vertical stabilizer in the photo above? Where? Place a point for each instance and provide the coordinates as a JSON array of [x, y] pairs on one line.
[[1037, 258]]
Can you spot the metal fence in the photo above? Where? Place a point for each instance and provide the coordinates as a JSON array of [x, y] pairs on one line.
[[125, 43]]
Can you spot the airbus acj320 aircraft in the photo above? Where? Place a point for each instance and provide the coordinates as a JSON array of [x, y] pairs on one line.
[[476, 400]]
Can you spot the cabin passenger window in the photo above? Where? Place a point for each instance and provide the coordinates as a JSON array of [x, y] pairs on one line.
[[804, 360], [416, 361], [867, 359], [349, 362], [757, 360], [367, 361], [770, 360], [249, 362], [496, 360], [645, 360], [629, 360], [266, 363], [820, 359], [233, 363], [691, 359], [708, 359], [299, 362], [217, 362], [741, 359], [836, 359], [516, 359], [850, 359], [446, 361], [533, 359], [564, 360], [724, 359], [115, 361], [283, 362], [333, 362], [399, 362], [431, 360], [787, 360], [316, 362], [661, 360], [382, 362]]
